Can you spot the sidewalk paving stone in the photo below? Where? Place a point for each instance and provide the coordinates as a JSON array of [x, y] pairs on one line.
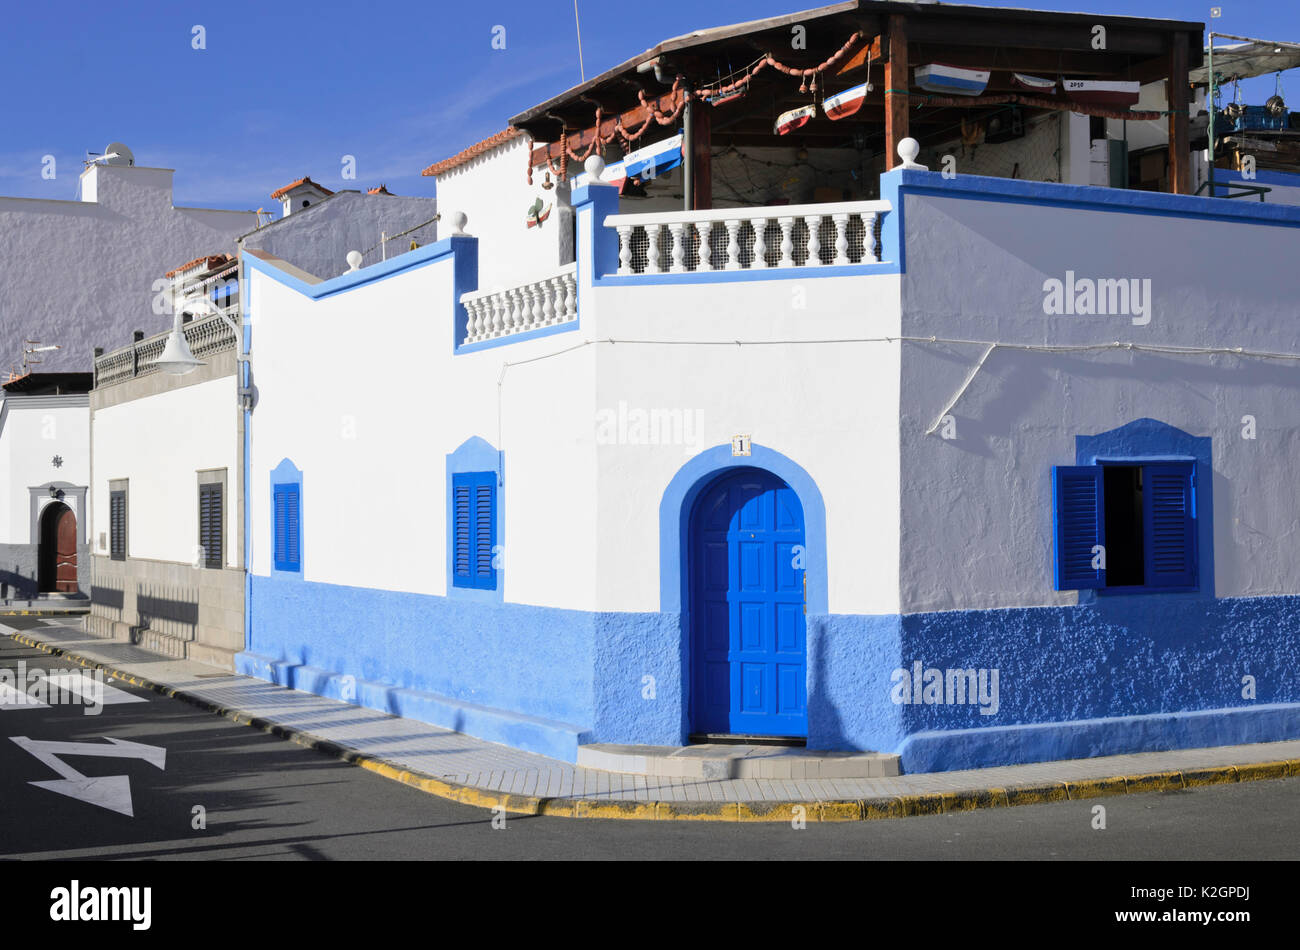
[[463, 760]]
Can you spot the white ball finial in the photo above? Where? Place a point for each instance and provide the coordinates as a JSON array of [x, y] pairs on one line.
[[908, 149], [354, 260], [457, 220], [595, 166]]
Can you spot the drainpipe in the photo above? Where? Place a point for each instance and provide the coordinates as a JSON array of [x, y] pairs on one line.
[[1210, 128], [688, 154]]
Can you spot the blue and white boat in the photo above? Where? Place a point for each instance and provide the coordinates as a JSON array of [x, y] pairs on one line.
[[951, 80]]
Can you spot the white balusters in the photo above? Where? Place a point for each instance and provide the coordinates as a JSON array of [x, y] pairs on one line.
[[501, 313], [787, 242], [733, 244], [678, 231], [820, 235], [814, 239], [706, 245], [652, 250], [624, 248], [841, 220]]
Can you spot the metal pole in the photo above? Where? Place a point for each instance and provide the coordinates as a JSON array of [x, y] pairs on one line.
[[688, 156], [1210, 128]]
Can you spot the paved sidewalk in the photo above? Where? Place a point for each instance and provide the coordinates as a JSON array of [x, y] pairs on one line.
[[476, 772]]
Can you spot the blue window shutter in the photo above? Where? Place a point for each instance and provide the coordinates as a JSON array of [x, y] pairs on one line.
[[1080, 525], [473, 529], [462, 542], [279, 527], [484, 529], [1169, 503], [288, 554], [292, 536]]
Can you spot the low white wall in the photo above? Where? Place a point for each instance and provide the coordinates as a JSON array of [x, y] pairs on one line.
[[373, 444], [161, 442]]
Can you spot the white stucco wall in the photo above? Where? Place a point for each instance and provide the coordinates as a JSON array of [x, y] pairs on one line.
[[80, 273], [492, 190], [580, 525], [977, 509], [372, 444], [33, 431], [160, 443], [831, 408]]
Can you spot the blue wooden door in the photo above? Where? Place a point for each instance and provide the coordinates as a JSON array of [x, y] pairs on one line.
[[747, 608]]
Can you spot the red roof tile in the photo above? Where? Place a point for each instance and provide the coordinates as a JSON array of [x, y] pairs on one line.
[[211, 260], [281, 192], [381, 190], [460, 158]]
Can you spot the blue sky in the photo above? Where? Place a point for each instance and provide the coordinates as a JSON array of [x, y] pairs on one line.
[[284, 90]]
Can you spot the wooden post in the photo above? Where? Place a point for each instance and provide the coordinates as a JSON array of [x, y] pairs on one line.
[[896, 90], [702, 155], [1180, 172]]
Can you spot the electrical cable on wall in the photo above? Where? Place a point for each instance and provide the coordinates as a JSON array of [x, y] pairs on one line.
[[990, 346]]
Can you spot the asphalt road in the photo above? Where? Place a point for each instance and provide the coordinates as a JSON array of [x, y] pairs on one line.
[[265, 798]]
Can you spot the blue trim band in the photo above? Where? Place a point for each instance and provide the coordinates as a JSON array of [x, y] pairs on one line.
[[1091, 197], [750, 274], [517, 337], [693, 477], [452, 246]]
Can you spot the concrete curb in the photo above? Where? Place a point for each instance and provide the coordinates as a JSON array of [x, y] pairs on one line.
[[868, 809], [50, 612]]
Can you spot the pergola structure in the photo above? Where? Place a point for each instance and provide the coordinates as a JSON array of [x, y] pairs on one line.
[[726, 86]]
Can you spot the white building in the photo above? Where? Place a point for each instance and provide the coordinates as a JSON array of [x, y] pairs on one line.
[[964, 467], [81, 274], [166, 513], [44, 478]]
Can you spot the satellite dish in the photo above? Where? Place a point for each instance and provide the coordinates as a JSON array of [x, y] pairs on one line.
[[118, 154]]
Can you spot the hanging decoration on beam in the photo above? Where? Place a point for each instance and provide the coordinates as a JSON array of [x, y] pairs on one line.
[[1033, 83], [715, 94], [953, 80], [844, 104], [787, 122], [1103, 92], [1037, 102]]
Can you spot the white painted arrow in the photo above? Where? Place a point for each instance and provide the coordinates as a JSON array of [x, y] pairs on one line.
[[113, 791]]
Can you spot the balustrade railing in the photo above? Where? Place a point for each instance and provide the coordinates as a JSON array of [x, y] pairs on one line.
[[549, 301], [819, 235], [205, 335]]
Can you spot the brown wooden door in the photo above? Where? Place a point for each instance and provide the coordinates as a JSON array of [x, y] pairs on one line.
[[65, 553]]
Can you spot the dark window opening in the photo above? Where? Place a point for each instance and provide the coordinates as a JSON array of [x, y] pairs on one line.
[[210, 523], [117, 525], [1123, 513]]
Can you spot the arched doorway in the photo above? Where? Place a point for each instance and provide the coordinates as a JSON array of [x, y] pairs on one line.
[[747, 607], [57, 560]]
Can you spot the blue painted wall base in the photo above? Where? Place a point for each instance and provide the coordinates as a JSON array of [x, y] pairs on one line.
[[1121, 674]]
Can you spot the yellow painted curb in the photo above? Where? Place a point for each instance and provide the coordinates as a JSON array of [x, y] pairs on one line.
[[870, 809], [1096, 787]]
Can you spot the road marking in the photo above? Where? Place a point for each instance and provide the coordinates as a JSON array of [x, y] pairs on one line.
[[11, 698], [81, 684], [84, 685], [111, 791]]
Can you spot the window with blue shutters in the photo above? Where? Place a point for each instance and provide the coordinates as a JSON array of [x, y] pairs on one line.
[[287, 535], [474, 529], [1126, 526]]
